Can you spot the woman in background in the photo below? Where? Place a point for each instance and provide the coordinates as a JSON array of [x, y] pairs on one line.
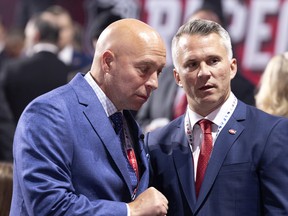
[[6, 181], [272, 95]]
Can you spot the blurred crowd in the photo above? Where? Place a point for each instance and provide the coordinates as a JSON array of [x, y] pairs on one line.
[[45, 47]]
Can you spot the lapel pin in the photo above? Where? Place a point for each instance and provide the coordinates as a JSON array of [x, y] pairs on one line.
[[232, 131]]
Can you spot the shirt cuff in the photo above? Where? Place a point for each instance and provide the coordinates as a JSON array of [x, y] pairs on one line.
[[128, 210]]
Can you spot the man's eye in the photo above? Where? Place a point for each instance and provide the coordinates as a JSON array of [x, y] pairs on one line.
[[143, 69], [213, 61], [191, 65]]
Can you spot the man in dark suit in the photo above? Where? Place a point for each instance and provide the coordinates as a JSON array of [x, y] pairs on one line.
[[70, 40], [77, 149], [222, 157], [160, 108], [7, 128], [39, 72]]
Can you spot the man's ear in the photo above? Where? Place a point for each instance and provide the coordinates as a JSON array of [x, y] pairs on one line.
[[107, 60], [233, 68], [177, 78]]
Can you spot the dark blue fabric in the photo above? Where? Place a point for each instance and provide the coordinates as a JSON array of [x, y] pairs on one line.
[[117, 119]]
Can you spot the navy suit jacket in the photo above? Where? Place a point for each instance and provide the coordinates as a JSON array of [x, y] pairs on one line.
[[247, 173], [68, 159]]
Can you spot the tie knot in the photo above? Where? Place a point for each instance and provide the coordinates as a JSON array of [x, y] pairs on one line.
[[117, 119], [205, 125]]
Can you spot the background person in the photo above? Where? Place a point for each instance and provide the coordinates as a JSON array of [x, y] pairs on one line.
[[100, 23], [272, 95], [7, 128], [243, 147], [68, 158], [39, 71], [7, 124], [6, 182], [70, 39]]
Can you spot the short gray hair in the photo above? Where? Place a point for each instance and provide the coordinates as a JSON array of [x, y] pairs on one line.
[[201, 27]]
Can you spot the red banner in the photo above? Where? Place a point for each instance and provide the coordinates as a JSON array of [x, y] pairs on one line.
[[258, 28]]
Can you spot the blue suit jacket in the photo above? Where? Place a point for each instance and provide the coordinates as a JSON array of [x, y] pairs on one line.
[[247, 173], [68, 159]]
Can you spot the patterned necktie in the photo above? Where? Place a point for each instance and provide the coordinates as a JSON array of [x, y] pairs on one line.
[[117, 122], [205, 152], [117, 119]]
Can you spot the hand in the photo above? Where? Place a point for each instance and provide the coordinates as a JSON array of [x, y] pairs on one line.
[[151, 202]]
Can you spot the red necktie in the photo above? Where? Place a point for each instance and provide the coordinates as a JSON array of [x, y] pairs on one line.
[[181, 107], [205, 151]]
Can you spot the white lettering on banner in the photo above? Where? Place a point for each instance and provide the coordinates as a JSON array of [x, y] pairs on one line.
[[258, 28], [258, 32], [282, 30], [191, 7], [238, 12], [165, 16]]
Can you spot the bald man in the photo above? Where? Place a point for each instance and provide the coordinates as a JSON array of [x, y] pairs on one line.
[[69, 157]]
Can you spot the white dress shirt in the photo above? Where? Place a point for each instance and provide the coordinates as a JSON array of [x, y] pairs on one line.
[[219, 117]]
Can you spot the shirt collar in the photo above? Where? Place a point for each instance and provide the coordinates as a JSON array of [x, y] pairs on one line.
[[107, 104], [39, 47], [217, 115]]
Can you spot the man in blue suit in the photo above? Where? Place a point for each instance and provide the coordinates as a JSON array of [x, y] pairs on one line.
[[68, 158], [247, 172]]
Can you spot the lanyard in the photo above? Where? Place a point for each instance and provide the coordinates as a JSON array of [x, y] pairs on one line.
[[226, 117]]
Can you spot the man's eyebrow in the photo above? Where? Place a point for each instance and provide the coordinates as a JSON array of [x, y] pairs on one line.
[[147, 61], [150, 62]]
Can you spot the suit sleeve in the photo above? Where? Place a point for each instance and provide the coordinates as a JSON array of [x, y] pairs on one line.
[[43, 162], [274, 171]]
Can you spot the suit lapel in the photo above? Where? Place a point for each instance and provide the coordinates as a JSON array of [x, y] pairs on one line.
[[109, 139], [221, 147], [183, 161], [98, 119]]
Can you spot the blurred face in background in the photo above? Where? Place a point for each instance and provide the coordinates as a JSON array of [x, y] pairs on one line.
[[207, 15], [66, 30], [30, 36]]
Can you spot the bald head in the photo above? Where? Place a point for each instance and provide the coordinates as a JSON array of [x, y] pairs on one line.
[[126, 35], [129, 55], [127, 29]]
